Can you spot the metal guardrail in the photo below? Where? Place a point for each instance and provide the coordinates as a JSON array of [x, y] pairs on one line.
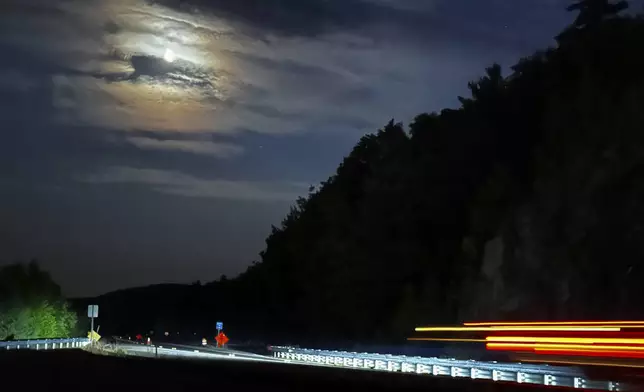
[[170, 350], [44, 344], [546, 375]]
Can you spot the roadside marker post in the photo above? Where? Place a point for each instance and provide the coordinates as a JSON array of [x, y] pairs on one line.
[[92, 313]]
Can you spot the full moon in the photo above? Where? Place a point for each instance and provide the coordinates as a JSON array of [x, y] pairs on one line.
[[169, 55]]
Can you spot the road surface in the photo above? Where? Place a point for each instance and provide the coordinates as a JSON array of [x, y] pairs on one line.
[[522, 373]]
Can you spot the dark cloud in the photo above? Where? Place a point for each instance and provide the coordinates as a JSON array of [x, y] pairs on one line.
[[286, 66], [353, 95], [424, 22], [36, 64], [31, 8], [272, 112], [297, 17]]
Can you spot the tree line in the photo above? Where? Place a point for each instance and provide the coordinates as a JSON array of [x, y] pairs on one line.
[[31, 305]]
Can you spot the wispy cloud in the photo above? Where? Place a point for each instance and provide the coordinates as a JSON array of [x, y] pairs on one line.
[[219, 150], [259, 94], [302, 18], [177, 183]]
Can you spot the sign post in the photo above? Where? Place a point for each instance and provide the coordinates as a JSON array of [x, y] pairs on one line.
[[220, 326], [92, 313]]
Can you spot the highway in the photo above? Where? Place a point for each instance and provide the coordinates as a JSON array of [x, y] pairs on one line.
[[542, 374], [523, 373], [169, 350]]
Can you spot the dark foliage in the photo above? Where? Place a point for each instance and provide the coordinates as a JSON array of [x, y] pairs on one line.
[[31, 305]]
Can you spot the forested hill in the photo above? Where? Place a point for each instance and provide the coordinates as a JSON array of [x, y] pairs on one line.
[[526, 202]]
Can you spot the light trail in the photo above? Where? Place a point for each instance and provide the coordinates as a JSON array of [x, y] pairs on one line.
[[526, 339], [572, 349], [628, 324], [584, 363], [539, 346], [592, 353], [448, 340], [196, 352], [520, 328]]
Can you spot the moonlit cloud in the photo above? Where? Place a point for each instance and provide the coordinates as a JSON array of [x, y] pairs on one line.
[[178, 183], [220, 150], [173, 114]]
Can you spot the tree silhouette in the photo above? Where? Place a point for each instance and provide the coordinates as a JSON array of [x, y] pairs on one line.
[[31, 305], [593, 12]]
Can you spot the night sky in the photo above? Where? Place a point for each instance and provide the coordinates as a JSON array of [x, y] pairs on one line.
[[157, 141]]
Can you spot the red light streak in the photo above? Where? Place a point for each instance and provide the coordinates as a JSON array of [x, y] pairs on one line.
[[521, 328], [628, 324], [572, 349], [559, 339], [593, 353]]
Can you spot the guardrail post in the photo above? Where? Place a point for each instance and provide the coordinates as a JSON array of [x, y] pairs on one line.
[[37, 346], [45, 346], [510, 372]]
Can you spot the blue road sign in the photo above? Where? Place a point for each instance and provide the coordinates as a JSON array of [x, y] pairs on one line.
[[220, 325]]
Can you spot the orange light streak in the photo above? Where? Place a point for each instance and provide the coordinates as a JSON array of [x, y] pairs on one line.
[[630, 324], [539, 346], [571, 349], [520, 328], [526, 339], [593, 353], [448, 340], [584, 363]]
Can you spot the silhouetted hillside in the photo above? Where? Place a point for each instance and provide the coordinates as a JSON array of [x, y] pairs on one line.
[[525, 202]]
